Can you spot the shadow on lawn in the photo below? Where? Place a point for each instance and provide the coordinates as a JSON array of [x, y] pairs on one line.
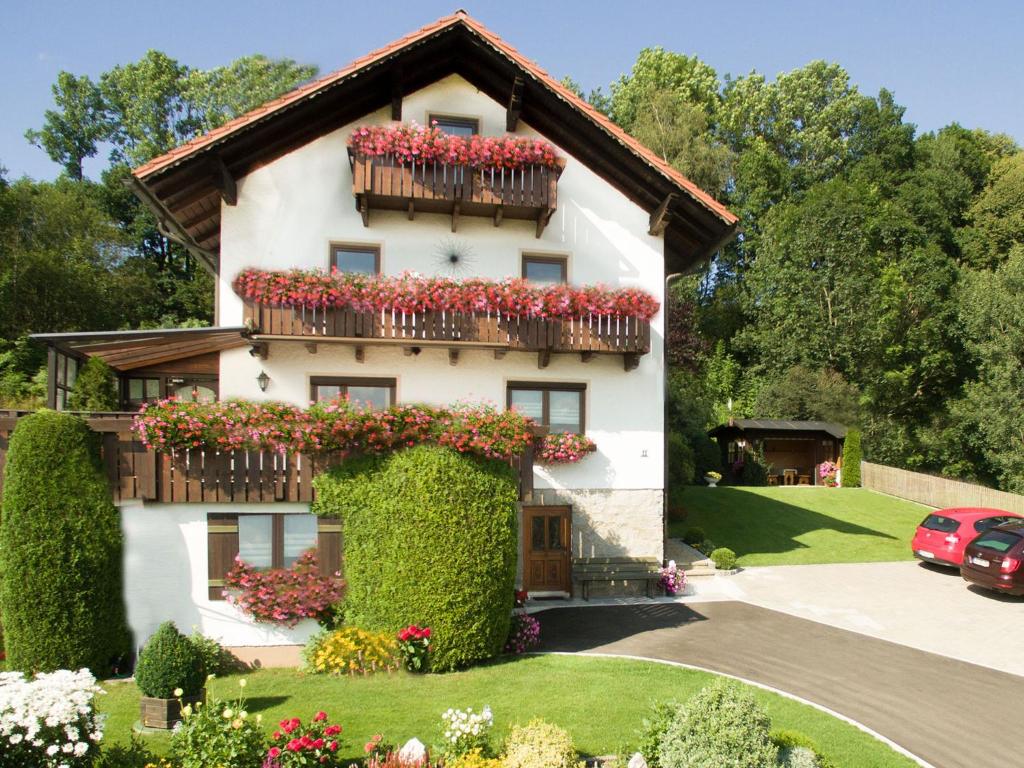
[[263, 703], [584, 629], [749, 523]]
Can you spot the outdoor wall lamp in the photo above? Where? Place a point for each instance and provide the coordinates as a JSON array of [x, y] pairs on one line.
[[263, 380]]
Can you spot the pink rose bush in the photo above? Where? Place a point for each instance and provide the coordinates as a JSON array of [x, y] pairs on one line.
[[415, 144], [523, 633], [293, 744], [283, 595], [409, 293], [563, 448]]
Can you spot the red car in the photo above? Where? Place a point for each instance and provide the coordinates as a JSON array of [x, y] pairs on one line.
[[942, 536], [994, 559]]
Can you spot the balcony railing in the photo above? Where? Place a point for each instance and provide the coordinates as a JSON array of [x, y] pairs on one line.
[[380, 182], [586, 336], [208, 476]]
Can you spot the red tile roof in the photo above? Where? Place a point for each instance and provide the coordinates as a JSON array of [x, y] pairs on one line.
[[312, 88]]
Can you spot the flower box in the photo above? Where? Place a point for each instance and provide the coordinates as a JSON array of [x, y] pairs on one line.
[[165, 713]]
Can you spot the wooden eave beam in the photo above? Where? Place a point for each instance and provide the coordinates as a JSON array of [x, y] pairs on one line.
[[223, 181], [660, 216], [515, 104], [169, 226]]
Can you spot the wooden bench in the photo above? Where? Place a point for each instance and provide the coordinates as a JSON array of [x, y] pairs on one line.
[[590, 569]]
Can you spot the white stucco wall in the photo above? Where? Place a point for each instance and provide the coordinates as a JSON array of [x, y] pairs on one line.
[[290, 210], [288, 214], [165, 576]]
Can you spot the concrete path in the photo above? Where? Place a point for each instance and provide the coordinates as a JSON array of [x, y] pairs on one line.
[[950, 713], [925, 607]]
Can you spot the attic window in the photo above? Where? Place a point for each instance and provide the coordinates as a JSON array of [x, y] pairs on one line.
[[456, 126]]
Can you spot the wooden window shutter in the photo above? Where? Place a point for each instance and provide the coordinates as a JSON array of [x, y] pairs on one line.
[[222, 549], [328, 545]]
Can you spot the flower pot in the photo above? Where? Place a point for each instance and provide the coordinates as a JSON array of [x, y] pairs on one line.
[[165, 713], [712, 482]]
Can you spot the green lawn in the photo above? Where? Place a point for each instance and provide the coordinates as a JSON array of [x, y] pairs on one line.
[[796, 526], [600, 701]]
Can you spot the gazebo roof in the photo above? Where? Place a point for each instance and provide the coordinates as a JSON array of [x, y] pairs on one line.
[[753, 426]]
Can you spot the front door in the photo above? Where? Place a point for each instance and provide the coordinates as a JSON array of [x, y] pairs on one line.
[[546, 532]]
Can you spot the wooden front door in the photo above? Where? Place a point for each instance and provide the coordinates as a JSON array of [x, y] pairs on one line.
[[546, 534]]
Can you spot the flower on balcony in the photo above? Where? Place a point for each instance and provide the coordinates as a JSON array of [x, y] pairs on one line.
[[411, 293], [415, 144], [564, 448], [338, 426]]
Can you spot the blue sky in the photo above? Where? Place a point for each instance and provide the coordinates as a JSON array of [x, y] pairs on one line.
[[946, 61]]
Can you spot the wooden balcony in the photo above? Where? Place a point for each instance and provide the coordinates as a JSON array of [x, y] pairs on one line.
[[586, 336], [207, 476], [382, 183]]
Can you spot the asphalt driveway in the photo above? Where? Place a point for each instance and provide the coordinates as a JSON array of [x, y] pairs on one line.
[[943, 710]]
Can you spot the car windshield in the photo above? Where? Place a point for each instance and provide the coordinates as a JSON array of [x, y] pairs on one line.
[[997, 541], [990, 522], [941, 523]]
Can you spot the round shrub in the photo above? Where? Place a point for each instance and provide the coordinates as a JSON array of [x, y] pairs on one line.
[[720, 727], [169, 661], [798, 757], [724, 559], [539, 745], [60, 551], [430, 538], [652, 732]]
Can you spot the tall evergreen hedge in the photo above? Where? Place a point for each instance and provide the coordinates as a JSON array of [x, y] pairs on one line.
[[851, 459], [60, 550], [95, 388], [430, 538]]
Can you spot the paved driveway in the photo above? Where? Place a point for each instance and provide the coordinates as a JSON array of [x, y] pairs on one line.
[[940, 709], [922, 606]]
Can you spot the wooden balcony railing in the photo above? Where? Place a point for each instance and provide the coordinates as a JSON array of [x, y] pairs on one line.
[[586, 336], [381, 182], [200, 475]]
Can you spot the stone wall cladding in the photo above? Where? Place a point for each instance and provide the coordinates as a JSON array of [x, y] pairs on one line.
[[610, 522]]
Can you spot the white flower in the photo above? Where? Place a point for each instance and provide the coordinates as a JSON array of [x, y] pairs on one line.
[[228, 713], [241, 683], [179, 692], [52, 750]]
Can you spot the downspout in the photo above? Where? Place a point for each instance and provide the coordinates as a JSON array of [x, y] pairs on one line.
[[669, 279]]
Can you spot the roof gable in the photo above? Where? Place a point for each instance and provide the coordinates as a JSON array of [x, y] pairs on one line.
[[185, 186]]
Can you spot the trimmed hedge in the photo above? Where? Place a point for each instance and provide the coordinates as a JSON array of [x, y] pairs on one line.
[[430, 538], [851, 459], [169, 661], [60, 551]]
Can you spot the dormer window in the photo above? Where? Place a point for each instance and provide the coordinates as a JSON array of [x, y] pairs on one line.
[[456, 126]]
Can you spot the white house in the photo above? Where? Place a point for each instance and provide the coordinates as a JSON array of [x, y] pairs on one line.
[[277, 189]]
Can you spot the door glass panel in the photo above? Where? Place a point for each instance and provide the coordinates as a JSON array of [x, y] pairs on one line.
[[255, 540], [299, 535], [554, 532], [529, 402], [537, 533], [72, 371], [195, 393], [135, 389], [565, 411], [152, 389], [375, 397]]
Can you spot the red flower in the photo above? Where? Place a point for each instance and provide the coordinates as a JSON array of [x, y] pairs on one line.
[[321, 715], [274, 752]]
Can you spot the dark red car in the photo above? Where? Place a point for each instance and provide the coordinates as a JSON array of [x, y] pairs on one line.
[[994, 559], [942, 536]]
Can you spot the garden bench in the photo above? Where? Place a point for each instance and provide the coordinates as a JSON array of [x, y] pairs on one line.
[[590, 569]]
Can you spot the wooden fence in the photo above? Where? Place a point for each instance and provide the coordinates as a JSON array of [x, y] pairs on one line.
[[936, 491], [200, 475]]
